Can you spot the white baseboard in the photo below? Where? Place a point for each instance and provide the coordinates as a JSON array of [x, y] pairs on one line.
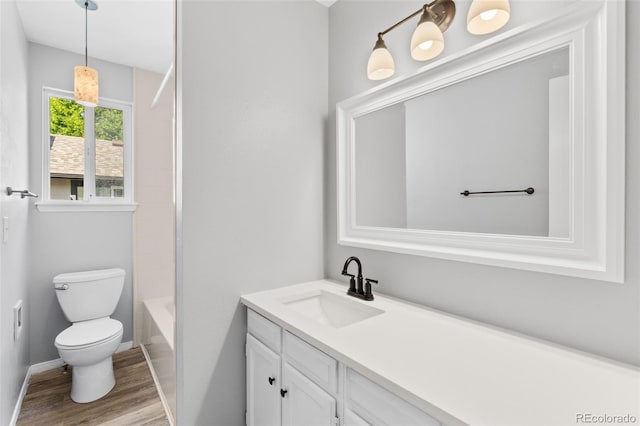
[[46, 366], [161, 394], [124, 346], [23, 392]]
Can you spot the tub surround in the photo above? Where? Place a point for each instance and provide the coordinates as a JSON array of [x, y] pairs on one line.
[[157, 341], [458, 370], [161, 312]]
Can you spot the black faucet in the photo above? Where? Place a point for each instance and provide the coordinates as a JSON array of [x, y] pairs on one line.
[[355, 282]]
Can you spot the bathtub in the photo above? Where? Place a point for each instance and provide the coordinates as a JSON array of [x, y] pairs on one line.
[[158, 344]]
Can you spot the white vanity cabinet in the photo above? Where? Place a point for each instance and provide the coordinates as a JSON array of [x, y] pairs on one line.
[[292, 383], [411, 366], [367, 403], [288, 384], [305, 403], [263, 382]]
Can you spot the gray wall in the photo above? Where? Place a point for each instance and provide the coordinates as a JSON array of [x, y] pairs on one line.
[[381, 168], [70, 241], [483, 134], [254, 78], [14, 172], [594, 316]]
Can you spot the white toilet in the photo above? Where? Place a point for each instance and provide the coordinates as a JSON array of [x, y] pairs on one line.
[[88, 299]]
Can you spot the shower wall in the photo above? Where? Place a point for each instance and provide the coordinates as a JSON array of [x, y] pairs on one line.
[[154, 219], [154, 227]]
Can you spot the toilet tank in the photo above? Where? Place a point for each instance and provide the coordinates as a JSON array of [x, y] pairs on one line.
[[90, 294]]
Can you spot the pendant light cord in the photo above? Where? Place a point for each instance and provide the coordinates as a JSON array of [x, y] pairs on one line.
[[86, 37]]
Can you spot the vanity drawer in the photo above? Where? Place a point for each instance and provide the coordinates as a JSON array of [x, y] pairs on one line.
[[378, 407], [352, 419], [264, 330], [312, 362]]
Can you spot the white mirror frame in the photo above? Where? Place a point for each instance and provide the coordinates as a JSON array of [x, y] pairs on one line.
[[594, 31]]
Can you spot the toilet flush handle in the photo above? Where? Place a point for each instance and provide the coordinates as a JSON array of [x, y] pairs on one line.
[[61, 286]]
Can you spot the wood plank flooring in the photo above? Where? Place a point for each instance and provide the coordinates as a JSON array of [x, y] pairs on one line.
[[133, 401]]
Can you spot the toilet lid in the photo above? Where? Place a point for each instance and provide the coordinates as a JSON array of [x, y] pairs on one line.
[[86, 333]]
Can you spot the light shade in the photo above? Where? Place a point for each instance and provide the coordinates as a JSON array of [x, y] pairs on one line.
[[381, 63], [85, 85], [486, 16], [427, 41]]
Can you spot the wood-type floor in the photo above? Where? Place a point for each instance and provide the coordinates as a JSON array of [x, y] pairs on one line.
[[134, 401]]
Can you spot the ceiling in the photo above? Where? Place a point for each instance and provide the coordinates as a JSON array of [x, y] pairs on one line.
[[138, 33]]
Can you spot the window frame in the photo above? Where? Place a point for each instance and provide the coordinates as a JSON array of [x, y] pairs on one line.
[[90, 201]]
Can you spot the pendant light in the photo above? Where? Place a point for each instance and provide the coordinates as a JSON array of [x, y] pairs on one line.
[[85, 82], [427, 41], [487, 16], [380, 65]]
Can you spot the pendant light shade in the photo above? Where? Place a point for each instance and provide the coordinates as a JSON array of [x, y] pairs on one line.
[[427, 41], [85, 86], [85, 79], [381, 63], [486, 16]]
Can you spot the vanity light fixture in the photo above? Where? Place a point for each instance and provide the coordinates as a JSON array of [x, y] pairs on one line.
[[427, 42], [486, 16], [85, 82]]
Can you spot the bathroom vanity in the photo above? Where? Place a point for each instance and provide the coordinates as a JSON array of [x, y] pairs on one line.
[[316, 356]]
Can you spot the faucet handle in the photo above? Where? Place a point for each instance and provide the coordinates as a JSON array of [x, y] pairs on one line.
[[368, 295], [352, 281]]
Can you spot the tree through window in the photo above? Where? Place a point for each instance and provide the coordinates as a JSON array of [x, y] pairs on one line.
[[87, 148]]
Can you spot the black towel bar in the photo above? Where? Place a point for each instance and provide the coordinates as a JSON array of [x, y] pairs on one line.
[[466, 192]]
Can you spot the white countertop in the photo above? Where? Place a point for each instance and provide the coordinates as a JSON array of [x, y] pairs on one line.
[[460, 371]]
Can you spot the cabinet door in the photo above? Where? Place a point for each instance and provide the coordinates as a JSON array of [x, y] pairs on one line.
[[304, 402], [263, 385]]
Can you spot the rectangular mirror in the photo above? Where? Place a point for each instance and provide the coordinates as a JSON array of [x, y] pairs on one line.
[[510, 154], [490, 133]]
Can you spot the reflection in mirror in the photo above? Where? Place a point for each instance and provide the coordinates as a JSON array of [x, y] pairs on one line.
[[507, 129]]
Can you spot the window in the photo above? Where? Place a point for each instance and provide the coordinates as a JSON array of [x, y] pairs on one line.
[[87, 154]]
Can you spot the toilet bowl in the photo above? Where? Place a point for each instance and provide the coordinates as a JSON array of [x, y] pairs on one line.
[[87, 300], [88, 347]]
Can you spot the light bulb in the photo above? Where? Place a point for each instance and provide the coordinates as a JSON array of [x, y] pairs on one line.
[[426, 45], [488, 15]]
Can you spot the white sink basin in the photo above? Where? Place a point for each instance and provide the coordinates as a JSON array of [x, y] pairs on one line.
[[331, 309]]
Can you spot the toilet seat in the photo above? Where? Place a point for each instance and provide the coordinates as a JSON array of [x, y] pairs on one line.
[[84, 334]]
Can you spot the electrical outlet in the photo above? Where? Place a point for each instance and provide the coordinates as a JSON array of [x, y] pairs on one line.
[[17, 320]]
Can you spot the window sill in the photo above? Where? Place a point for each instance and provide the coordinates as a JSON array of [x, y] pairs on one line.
[[82, 206]]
